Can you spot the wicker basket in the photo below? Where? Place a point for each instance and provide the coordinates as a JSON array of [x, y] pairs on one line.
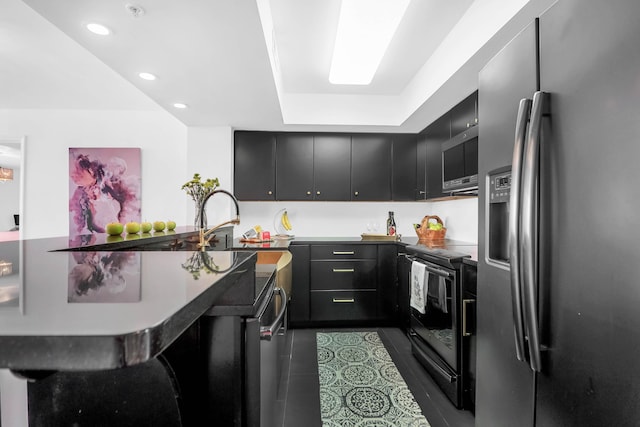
[[427, 235]]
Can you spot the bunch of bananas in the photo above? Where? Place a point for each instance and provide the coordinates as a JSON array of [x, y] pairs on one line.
[[285, 221]]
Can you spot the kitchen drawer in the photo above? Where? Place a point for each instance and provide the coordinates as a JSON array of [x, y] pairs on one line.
[[344, 251], [357, 274], [343, 305]]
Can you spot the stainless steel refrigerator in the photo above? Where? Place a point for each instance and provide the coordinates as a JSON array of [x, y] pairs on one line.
[[559, 211]]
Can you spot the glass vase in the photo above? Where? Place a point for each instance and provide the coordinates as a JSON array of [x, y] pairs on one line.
[[196, 222]]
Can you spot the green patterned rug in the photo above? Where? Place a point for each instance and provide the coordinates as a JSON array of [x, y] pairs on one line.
[[360, 385]]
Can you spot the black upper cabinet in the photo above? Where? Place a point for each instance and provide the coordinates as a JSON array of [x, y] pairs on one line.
[[254, 165], [429, 145], [464, 115], [421, 166], [433, 137], [404, 182], [324, 166], [331, 167], [370, 167], [294, 166]]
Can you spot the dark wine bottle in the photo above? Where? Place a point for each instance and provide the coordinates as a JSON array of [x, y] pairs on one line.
[[391, 225]]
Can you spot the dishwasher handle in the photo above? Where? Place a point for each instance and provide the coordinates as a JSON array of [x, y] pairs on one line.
[[267, 332]]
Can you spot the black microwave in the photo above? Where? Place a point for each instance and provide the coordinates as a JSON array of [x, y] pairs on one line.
[[460, 162]]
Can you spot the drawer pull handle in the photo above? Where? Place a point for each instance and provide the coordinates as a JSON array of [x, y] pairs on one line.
[[343, 300], [343, 270], [343, 252]]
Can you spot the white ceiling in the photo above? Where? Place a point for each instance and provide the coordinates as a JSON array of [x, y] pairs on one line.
[[249, 64]]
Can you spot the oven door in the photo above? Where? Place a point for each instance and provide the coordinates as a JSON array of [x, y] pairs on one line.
[[438, 325]]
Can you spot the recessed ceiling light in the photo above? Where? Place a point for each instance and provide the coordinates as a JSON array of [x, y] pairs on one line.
[[147, 76], [180, 105], [99, 29], [365, 29]]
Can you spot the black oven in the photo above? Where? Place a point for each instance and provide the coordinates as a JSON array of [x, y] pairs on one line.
[[436, 321]]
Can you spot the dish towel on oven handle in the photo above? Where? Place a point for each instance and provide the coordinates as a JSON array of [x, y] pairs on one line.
[[419, 278]]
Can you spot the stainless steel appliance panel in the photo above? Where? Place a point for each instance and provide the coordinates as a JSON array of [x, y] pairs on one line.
[[508, 77], [579, 277], [273, 330], [589, 299]]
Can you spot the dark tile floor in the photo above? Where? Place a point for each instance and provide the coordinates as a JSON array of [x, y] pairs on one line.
[[299, 399]]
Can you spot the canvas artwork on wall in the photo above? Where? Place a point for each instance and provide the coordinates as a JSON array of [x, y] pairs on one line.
[[104, 187]]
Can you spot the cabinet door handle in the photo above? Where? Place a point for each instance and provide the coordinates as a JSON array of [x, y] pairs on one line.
[[269, 192], [308, 193], [343, 270], [355, 193], [317, 193], [343, 252], [465, 322], [344, 300]]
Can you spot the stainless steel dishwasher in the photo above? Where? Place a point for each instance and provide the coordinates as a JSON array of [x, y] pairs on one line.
[[265, 347]]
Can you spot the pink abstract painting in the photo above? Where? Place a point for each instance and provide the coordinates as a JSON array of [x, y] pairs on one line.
[[104, 187]]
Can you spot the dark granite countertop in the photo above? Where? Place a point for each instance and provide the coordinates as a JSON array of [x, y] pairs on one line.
[[99, 309]]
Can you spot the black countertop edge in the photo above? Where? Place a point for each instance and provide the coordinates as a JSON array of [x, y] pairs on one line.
[[265, 281], [76, 353]]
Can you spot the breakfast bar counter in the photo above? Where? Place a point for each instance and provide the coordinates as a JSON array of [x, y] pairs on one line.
[[102, 310], [94, 324]]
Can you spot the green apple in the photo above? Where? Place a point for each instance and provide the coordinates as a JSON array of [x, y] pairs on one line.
[[159, 225], [146, 226], [114, 228], [171, 225], [132, 227]]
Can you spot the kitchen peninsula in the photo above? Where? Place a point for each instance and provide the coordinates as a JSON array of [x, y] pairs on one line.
[[150, 314]]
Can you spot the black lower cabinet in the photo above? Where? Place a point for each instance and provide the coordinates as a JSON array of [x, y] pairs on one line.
[[469, 289], [341, 305], [142, 395], [343, 284]]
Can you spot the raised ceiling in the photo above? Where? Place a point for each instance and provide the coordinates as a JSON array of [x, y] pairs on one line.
[[249, 64]]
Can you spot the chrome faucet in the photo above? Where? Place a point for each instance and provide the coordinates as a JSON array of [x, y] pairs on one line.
[[204, 242]]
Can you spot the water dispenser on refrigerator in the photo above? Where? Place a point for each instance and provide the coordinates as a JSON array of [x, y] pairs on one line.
[[497, 214]]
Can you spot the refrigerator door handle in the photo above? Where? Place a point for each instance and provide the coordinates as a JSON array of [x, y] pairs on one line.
[[514, 226], [529, 242]]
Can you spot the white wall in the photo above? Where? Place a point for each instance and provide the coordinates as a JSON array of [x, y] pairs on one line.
[[350, 219], [50, 133], [210, 154]]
